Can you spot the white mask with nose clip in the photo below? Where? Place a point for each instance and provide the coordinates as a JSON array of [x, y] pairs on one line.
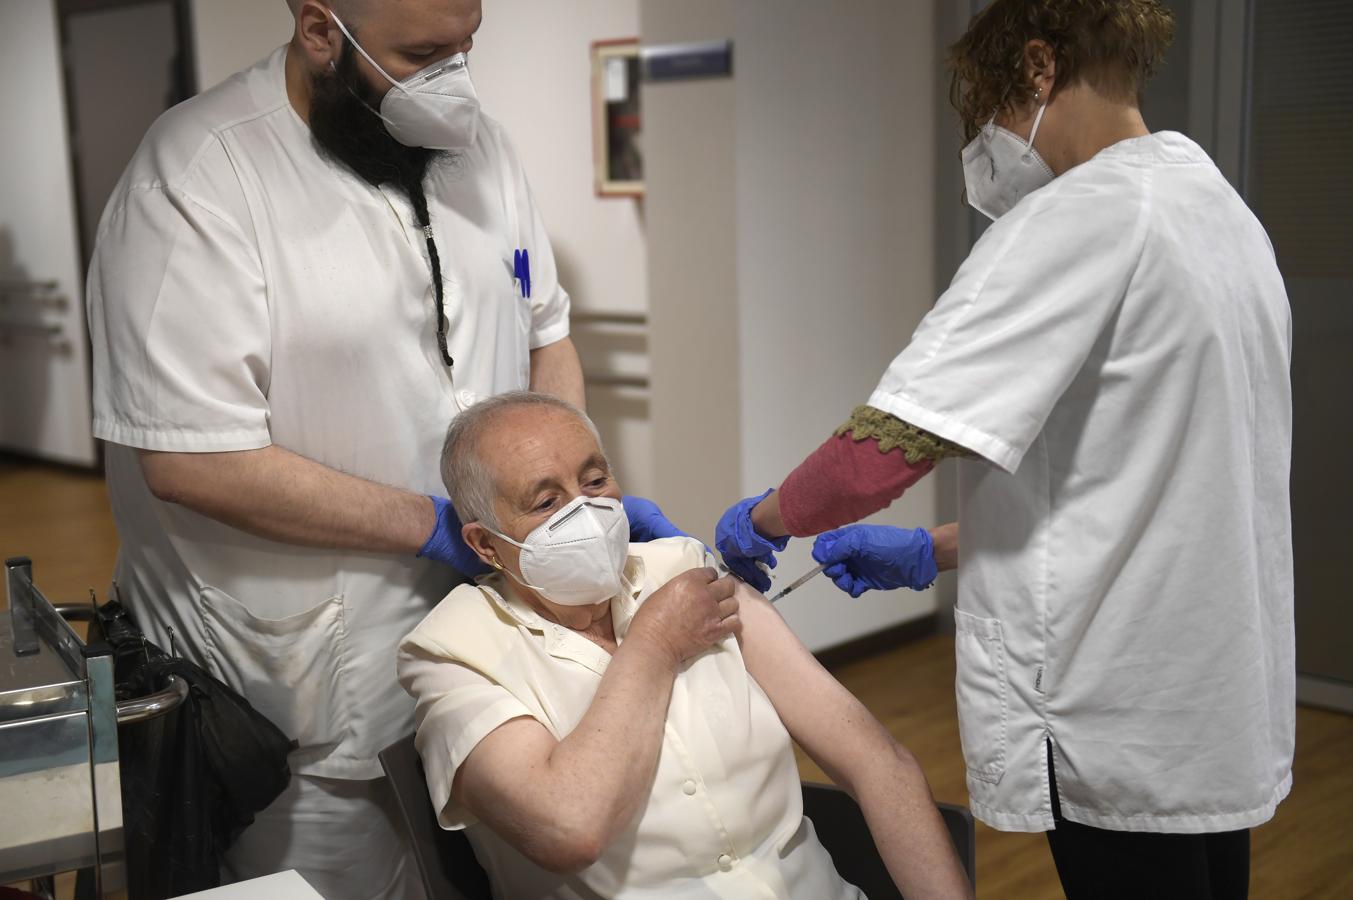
[[435, 107], [577, 556]]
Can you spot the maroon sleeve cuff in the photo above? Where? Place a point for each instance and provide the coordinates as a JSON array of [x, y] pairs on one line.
[[843, 481]]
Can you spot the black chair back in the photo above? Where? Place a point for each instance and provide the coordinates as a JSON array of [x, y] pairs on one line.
[[842, 829], [446, 861]]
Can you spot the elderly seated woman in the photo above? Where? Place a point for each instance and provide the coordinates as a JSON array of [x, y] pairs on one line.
[[610, 720]]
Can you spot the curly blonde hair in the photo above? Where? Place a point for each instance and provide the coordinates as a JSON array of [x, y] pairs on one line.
[[1114, 46]]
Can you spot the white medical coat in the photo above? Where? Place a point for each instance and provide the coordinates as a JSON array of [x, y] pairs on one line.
[[247, 291], [1116, 349]]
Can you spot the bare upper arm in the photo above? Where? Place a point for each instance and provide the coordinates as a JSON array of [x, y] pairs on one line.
[[556, 369], [503, 783], [828, 722], [497, 774]]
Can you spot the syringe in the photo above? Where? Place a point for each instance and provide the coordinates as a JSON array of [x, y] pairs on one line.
[[799, 582]]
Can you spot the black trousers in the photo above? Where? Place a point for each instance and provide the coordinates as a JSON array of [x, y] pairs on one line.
[[1097, 864]]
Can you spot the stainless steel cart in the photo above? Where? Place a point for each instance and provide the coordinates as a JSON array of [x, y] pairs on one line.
[[60, 793]]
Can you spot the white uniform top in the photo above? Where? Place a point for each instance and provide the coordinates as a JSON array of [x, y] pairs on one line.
[[724, 816], [1116, 348], [245, 291]]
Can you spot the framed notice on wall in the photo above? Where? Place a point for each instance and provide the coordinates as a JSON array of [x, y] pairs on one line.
[[616, 149]]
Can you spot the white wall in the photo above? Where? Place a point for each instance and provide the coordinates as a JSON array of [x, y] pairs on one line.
[[835, 176], [230, 35], [832, 174], [531, 66], [689, 140], [44, 380], [532, 69]]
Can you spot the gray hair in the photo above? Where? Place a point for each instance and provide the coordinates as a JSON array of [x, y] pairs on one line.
[[464, 472]]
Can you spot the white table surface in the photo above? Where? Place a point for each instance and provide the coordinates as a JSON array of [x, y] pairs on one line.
[[48, 815], [288, 885]]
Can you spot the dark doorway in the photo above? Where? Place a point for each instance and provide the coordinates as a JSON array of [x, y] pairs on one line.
[[126, 61]]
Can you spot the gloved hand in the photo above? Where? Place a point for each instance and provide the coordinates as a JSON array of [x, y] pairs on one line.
[[447, 546], [861, 557], [647, 523], [742, 547]]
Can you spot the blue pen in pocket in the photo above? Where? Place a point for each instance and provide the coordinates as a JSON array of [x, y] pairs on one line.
[[521, 270]]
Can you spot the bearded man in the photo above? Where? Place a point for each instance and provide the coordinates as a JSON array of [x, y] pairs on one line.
[[304, 273]]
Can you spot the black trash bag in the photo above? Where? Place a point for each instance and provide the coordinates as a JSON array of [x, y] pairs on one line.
[[192, 779]]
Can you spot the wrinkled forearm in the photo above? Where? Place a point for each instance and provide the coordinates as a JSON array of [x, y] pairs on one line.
[[906, 825], [602, 770]]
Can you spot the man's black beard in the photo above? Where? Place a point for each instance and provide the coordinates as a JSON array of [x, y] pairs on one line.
[[347, 130]]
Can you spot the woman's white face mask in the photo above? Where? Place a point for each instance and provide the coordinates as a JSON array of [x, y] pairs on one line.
[[577, 556], [1000, 168], [435, 107]]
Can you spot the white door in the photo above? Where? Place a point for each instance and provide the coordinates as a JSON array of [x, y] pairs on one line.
[[44, 365]]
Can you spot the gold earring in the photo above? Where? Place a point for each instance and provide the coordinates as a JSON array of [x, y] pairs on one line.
[[497, 565]]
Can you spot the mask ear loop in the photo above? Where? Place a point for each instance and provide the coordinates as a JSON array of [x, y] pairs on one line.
[[1029, 150], [352, 40], [369, 108], [502, 536], [521, 581], [497, 565], [358, 47]]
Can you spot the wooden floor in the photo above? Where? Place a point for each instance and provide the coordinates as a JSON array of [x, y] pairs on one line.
[[60, 519]]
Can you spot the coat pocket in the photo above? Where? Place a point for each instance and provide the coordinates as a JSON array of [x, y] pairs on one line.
[[980, 685], [291, 669]]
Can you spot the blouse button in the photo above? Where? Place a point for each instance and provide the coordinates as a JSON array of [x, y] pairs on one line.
[[467, 398], [688, 788], [725, 862]]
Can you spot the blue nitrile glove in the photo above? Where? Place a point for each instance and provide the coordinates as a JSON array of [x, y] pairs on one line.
[[647, 523], [861, 557], [447, 546], [742, 547]]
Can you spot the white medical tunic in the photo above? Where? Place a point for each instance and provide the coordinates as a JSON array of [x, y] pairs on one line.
[[247, 291], [1116, 350]]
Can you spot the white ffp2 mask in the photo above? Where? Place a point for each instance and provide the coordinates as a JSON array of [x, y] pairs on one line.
[[435, 107], [577, 556], [1000, 168]]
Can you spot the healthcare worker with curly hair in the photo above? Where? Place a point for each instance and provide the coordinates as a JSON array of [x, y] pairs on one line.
[[1110, 366]]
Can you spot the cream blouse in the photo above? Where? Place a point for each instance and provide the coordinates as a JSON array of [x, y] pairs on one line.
[[724, 817]]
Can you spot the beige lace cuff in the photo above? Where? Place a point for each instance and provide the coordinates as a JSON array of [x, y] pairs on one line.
[[892, 433]]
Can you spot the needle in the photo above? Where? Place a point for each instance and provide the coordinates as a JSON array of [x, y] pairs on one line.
[[800, 581], [727, 571]]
